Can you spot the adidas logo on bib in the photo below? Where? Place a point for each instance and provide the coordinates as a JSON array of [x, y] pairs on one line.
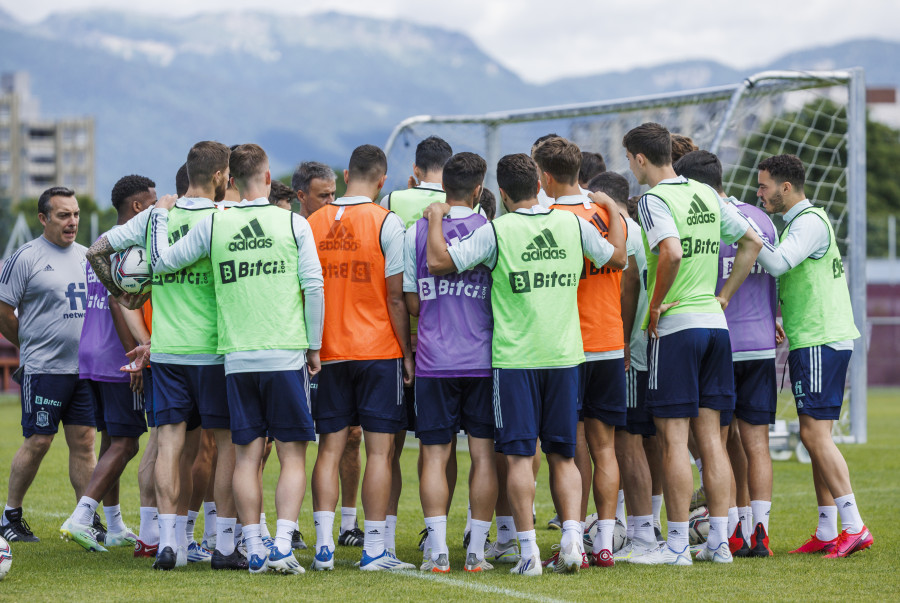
[[543, 247], [251, 237], [699, 213], [339, 238]]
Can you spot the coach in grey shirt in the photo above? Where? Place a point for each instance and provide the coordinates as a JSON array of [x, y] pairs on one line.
[[45, 281]]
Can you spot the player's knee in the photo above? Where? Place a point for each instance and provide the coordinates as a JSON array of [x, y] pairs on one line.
[[38, 444]]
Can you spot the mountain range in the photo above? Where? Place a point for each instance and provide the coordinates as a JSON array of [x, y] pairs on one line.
[[307, 87]]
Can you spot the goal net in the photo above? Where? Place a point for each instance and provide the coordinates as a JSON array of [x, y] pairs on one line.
[[818, 116]]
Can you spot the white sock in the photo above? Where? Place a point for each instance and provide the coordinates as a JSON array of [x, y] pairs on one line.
[[114, 523], [167, 536], [677, 537], [643, 529], [718, 532], [761, 509], [571, 532], [827, 528], [348, 519], [149, 531], [84, 512], [390, 531], [437, 535], [324, 522], [850, 518], [629, 527], [189, 526], [374, 544], [225, 534], [209, 520], [468, 527], [238, 533], [657, 502], [3, 519], [480, 531], [699, 464], [733, 519], [253, 541], [506, 528], [263, 527], [745, 514], [606, 528], [620, 507], [528, 542], [181, 530], [283, 532]]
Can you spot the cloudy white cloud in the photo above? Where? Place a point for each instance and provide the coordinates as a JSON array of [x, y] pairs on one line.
[[543, 40]]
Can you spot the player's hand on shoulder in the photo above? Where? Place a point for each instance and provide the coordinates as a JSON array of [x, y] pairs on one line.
[[166, 202], [436, 210]]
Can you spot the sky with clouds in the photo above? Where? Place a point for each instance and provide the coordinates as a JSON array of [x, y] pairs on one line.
[[543, 40]]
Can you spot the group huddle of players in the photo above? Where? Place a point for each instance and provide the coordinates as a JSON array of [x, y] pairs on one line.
[[612, 333]]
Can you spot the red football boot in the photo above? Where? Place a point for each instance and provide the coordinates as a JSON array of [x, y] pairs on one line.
[[814, 545], [848, 543]]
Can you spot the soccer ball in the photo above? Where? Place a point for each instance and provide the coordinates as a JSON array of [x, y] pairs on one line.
[[620, 535], [5, 558], [590, 533], [698, 526], [131, 271]]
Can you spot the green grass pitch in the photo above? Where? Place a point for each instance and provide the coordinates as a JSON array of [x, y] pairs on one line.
[[57, 570]]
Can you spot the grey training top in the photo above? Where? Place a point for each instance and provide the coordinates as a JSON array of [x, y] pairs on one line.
[[47, 284]]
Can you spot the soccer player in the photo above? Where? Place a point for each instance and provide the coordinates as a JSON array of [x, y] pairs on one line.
[[189, 373], [602, 380], [431, 155], [818, 322], [632, 459], [44, 281], [592, 165], [752, 328], [314, 185], [120, 407], [536, 260], [281, 195], [258, 252], [691, 379], [453, 368], [366, 352], [681, 146]]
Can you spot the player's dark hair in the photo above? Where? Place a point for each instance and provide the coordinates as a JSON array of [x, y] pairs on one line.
[[205, 159], [432, 153], [681, 146], [591, 165], [181, 181], [128, 186], [613, 184], [53, 191], [463, 173], [785, 168], [367, 162], [560, 158], [701, 166], [247, 161], [632, 206], [518, 177], [651, 140], [488, 203], [280, 192], [541, 140], [308, 171]]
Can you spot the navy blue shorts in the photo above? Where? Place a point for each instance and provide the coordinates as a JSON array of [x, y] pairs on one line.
[[818, 375], [536, 403], [274, 403], [444, 405], [48, 399], [638, 420], [191, 394], [148, 397], [754, 384], [360, 392], [602, 386], [313, 388], [119, 411], [687, 370]]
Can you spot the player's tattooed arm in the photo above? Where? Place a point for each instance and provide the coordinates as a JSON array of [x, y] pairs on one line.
[[98, 255]]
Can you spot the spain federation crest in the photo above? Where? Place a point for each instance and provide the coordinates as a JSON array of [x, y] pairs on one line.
[[42, 418]]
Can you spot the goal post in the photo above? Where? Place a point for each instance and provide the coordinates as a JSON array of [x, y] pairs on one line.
[[817, 115]]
